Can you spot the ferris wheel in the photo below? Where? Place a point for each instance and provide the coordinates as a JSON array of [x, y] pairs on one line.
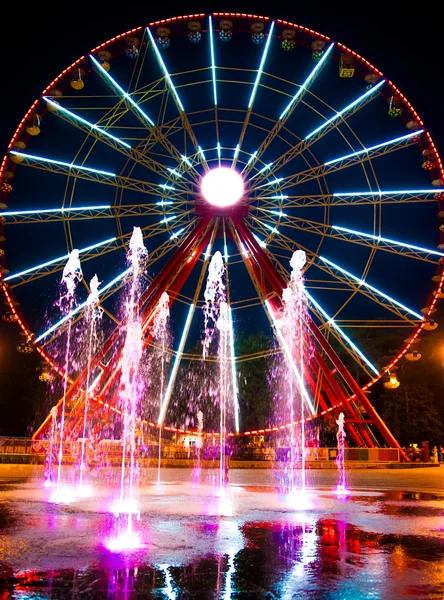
[[236, 133]]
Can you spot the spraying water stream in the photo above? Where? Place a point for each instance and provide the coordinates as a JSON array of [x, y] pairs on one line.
[[72, 274]]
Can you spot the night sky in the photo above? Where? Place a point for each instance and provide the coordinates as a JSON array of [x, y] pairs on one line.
[[37, 45]]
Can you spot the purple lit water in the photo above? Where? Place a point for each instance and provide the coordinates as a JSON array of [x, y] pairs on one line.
[[51, 450], [131, 389], [72, 274], [162, 338], [341, 488], [93, 315], [289, 381], [217, 337], [199, 443], [384, 541]]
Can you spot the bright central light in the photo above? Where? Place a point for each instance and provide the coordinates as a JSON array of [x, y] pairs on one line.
[[222, 187]]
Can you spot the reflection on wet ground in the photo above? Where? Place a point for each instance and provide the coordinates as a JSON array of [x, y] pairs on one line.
[[385, 545]]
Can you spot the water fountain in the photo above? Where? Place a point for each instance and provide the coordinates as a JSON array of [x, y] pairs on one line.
[[93, 315], [161, 335], [49, 462], [341, 488], [183, 522], [72, 274], [216, 318], [225, 392], [290, 377], [199, 444], [130, 392]]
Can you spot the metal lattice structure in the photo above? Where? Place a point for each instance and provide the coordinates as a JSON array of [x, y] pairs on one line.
[[332, 159]]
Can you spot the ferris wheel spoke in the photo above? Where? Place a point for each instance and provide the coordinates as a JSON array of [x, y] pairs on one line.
[[129, 101], [102, 135], [412, 137], [97, 175], [253, 95], [284, 220], [57, 166], [84, 124], [328, 322], [90, 252], [214, 82], [382, 243], [375, 324], [57, 264], [344, 162], [55, 215], [339, 334], [348, 282], [379, 296], [157, 134], [268, 240], [289, 109], [145, 187], [184, 117], [322, 130], [420, 196], [119, 282], [84, 213], [162, 134], [355, 237]]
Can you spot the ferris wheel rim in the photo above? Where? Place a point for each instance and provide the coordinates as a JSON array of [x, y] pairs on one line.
[[431, 305]]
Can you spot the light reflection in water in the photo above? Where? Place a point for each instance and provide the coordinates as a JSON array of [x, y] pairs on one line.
[[302, 555]]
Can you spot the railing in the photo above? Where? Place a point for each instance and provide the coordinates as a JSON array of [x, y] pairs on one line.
[[28, 448]]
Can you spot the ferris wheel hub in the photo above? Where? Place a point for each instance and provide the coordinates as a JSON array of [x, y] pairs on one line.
[[222, 187]]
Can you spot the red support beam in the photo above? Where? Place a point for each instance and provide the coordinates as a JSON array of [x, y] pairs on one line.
[[348, 408], [276, 304], [278, 285], [172, 285]]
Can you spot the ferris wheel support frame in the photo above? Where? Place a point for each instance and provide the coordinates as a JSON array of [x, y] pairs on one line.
[[332, 389], [278, 285]]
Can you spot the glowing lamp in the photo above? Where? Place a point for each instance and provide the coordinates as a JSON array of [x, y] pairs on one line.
[[222, 187], [392, 382]]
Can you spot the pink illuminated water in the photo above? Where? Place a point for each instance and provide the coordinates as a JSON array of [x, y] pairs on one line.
[[216, 336], [341, 488], [291, 380], [126, 538], [162, 338], [131, 390], [225, 391], [130, 380], [92, 316], [51, 448], [199, 443], [72, 274]]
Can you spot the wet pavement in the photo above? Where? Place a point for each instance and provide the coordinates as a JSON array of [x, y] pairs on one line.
[[384, 541]]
